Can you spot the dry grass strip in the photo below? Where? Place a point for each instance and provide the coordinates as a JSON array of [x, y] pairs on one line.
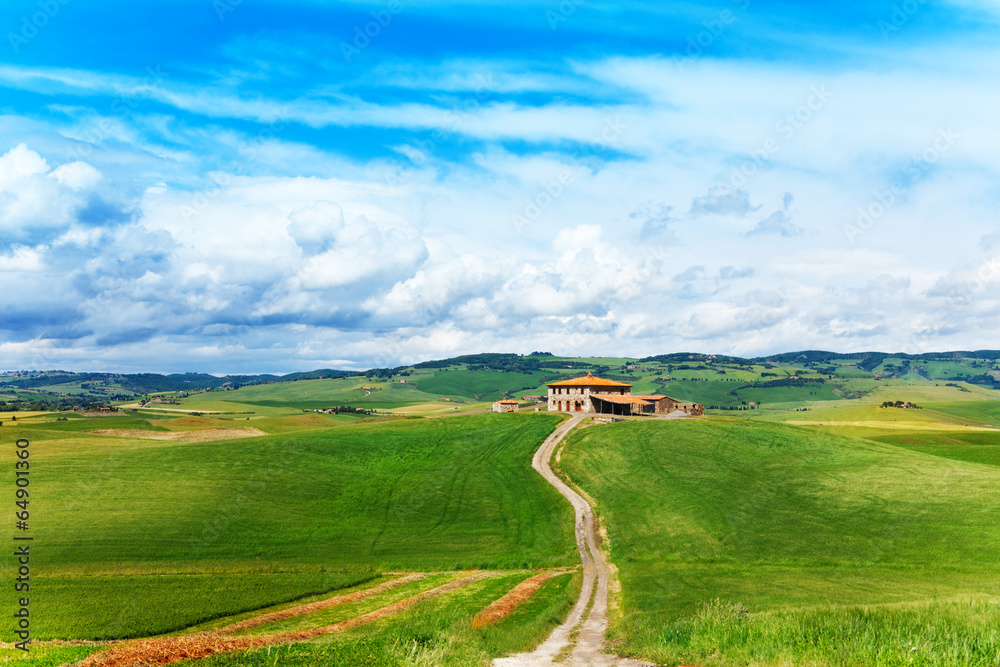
[[150, 652], [315, 606], [203, 435], [501, 608], [167, 650], [394, 608]]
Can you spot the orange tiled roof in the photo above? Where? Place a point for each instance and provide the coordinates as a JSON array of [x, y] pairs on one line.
[[589, 381], [508, 402]]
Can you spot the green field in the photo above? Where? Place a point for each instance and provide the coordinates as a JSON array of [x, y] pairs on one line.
[[985, 412], [974, 447], [127, 605], [214, 528], [484, 385], [704, 392], [313, 395], [399, 494], [810, 392], [803, 536], [819, 530], [434, 632]]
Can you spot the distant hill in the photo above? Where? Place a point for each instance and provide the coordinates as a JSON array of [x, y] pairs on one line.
[[720, 381]]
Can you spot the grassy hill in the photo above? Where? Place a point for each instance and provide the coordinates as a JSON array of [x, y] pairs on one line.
[[780, 382], [814, 528], [129, 523], [820, 549], [974, 447]]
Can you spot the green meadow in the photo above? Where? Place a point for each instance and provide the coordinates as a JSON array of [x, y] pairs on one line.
[[819, 530], [746, 542], [120, 606], [971, 446], [312, 395], [159, 535], [433, 632], [483, 385]]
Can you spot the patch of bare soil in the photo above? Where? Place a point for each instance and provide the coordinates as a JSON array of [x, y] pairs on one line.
[[518, 595], [204, 435]]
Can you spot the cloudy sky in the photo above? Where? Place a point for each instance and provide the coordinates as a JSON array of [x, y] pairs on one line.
[[264, 186]]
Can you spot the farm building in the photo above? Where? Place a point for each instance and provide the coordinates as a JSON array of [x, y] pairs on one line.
[[608, 397], [505, 406]]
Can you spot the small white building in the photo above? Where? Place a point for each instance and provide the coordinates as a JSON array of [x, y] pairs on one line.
[[505, 406]]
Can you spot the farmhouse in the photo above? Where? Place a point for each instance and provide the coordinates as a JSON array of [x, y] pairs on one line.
[[505, 406], [608, 397]]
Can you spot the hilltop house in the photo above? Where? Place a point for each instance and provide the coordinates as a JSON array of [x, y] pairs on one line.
[[608, 397]]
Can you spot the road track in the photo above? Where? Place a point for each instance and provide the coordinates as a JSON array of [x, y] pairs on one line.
[[579, 641]]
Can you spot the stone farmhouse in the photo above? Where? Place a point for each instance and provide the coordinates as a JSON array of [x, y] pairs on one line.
[[608, 397], [505, 406]]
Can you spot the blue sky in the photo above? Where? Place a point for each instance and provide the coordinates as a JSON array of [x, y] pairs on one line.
[[259, 186]]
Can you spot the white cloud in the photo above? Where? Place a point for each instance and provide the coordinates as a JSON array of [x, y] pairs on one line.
[[33, 197], [649, 246], [77, 175], [18, 164]]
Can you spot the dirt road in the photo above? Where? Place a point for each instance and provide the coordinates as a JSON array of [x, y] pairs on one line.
[[587, 647]]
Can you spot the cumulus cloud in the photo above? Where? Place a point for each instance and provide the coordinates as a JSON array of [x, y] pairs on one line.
[[314, 227], [778, 223], [722, 200], [77, 175], [460, 288], [363, 254], [34, 199], [990, 242], [655, 220], [249, 245], [732, 273]]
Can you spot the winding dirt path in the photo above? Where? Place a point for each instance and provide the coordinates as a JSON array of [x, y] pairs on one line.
[[579, 642]]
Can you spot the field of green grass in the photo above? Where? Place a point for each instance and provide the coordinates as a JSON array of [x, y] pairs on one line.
[[987, 412], [164, 534], [769, 395], [137, 605], [433, 632], [398, 494], [922, 391], [314, 394], [971, 446], [704, 392], [810, 541], [483, 385], [848, 535]]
